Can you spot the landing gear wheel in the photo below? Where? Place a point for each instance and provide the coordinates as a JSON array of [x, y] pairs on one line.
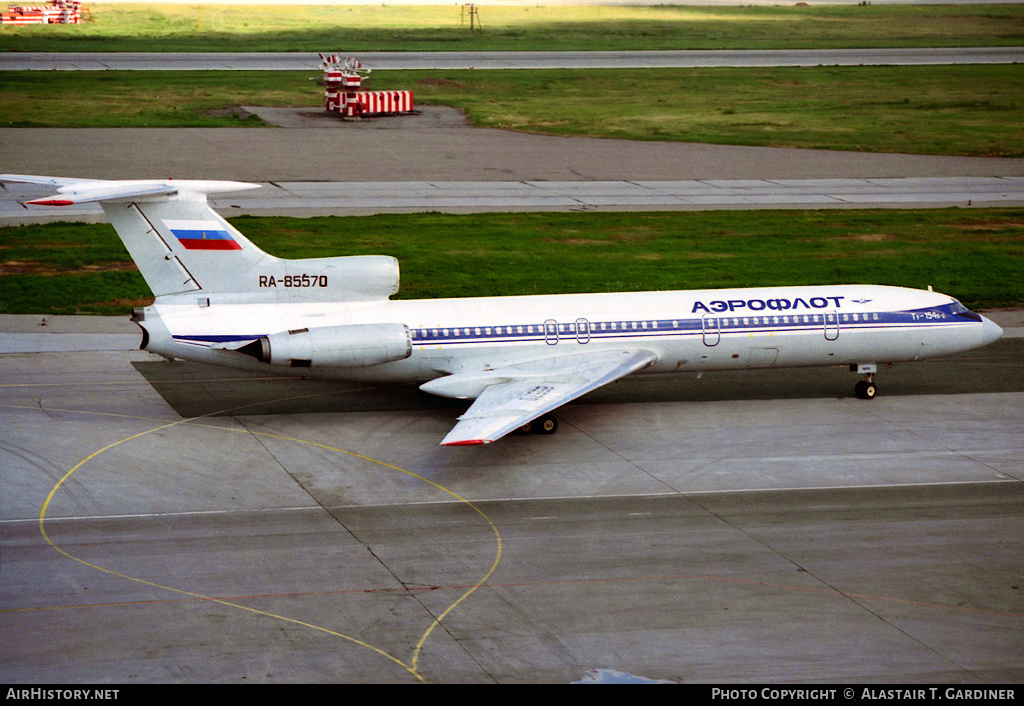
[[542, 425], [865, 390], [525, 429]]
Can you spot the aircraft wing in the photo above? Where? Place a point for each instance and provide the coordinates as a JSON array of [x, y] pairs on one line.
[[510, 397]]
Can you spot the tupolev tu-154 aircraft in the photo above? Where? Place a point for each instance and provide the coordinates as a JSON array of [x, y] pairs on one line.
[[222, 300]]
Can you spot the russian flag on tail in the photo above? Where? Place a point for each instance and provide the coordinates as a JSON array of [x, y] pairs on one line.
[[202, 235]]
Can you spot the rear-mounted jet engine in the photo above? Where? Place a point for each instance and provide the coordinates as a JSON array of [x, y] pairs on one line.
[[350, 346]]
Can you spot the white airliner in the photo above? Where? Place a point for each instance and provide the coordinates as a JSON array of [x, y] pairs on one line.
[[222, 300]]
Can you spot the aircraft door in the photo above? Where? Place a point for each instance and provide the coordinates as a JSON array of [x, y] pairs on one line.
[[582, 331], [831, 325], [712, 332], [551, 332]]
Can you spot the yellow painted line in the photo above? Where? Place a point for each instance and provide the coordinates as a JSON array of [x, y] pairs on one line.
[[411, 667]]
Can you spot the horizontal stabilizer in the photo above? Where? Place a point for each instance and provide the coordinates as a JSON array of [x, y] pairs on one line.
[[75, 191], [95, 194], [45, 180]]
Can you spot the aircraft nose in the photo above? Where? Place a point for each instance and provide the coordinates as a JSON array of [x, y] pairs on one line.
[[990, 331]]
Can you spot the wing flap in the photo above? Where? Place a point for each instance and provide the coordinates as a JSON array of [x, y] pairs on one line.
[[520, 394]]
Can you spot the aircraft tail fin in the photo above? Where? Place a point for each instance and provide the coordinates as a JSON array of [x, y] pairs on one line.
[[183, 247]]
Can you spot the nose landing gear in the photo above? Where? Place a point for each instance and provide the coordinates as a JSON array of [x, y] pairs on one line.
[[865, 389]]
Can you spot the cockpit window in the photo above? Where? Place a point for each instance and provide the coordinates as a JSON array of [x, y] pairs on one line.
[[958, 309]]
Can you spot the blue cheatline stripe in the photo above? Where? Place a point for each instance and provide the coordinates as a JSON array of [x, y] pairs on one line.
[[203, 340], [658, 328]]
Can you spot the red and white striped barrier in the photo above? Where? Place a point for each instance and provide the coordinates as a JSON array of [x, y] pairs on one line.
[[384, 102], [67, 12], [343, 91]]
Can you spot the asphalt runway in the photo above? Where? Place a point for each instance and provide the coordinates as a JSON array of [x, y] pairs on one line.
[[303, 61]]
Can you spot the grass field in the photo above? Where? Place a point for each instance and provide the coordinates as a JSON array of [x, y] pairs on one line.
[[963, 110], [211, 27], [976, 255], [966, 110]]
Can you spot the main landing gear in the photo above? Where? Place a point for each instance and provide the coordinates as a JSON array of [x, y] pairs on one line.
[[544, 424], [865, 389]]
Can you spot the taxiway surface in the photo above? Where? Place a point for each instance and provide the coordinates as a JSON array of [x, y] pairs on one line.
[[173, 522], [435, 161]]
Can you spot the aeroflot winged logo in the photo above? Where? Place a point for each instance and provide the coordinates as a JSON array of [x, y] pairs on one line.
[[202, 235]]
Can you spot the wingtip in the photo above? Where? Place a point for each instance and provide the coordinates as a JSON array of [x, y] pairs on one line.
[[467, 442]]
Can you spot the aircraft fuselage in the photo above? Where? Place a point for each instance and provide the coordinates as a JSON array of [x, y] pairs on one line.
[[688, 330]]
